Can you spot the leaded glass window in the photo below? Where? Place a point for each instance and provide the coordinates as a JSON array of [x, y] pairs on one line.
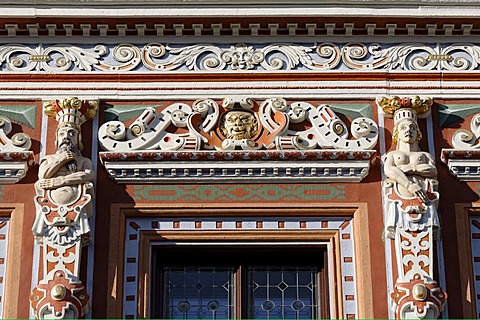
[[239, 282], [282, 292], [198, 292]]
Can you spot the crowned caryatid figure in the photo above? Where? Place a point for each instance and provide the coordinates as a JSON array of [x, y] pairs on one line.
[[63, 206], [411, 217], [412, 199]]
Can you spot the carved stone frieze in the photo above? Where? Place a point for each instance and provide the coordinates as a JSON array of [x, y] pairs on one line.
[[204, 57], [63, 206], [410, 204], [238, 139], [15, 159], [463, 160]]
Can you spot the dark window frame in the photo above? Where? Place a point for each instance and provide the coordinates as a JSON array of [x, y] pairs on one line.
[[241, 257]]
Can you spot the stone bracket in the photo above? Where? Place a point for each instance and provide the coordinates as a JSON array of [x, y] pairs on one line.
[[462, 164]]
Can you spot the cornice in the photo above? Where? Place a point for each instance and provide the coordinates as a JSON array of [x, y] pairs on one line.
[[199, 3], [320, 166], [247, 8]]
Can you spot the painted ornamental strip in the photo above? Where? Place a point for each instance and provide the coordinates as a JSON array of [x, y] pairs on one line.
[[236, 57]]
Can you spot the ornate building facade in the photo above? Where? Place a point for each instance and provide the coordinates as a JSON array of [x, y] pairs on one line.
[[213, 159]]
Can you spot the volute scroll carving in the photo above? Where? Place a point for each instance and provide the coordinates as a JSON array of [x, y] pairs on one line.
[[15, 157], [238, 138], [239, 124]]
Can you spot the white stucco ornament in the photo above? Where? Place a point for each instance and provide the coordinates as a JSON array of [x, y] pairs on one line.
[[239, 138]]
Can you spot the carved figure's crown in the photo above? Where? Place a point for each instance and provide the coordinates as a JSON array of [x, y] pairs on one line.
[[420, 105], [404, 113], [71, 111]]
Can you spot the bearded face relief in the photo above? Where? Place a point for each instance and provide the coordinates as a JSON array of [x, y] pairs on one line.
[[238, 125], [68, 140]]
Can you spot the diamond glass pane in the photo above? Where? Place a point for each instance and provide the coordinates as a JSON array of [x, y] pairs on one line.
[[282, 293], [198, 292]]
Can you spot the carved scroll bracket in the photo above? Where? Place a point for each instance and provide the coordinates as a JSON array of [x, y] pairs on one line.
[[15, 159], [463, 160]]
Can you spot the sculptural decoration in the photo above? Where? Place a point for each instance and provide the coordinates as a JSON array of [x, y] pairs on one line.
[[63, 207], [239, 125], [411, 203]]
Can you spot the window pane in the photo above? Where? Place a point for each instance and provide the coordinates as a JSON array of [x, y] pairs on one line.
[[282, 292], [198, 292]]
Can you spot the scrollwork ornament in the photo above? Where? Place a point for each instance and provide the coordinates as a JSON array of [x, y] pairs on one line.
[[115, 130], [154, 51], [209, 111], [197, 57], [469, 140], [19, 141], [21, 57], [330, 52], [128, 55], [269, 124], [295, 56], [352, 53]]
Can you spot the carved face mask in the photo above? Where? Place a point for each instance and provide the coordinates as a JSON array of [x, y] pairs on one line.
[[238, 125]]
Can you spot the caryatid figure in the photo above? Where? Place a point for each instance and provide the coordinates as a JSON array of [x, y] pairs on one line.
[[413, 174], [63, 205], [412, 221]]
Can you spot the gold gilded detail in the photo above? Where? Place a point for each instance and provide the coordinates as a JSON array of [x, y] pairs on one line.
[[39, 58], [87, 108], [238, 125], [137, 130], [389, 105], [440, 57], [58, 292], [419, 292]]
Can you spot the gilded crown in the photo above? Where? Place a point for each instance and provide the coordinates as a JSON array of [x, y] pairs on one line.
[[72, 110], [420, 105]]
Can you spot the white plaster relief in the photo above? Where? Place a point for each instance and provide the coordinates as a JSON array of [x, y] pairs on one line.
[[463, 160], [206, 57], [238, 140], [15, 159]]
